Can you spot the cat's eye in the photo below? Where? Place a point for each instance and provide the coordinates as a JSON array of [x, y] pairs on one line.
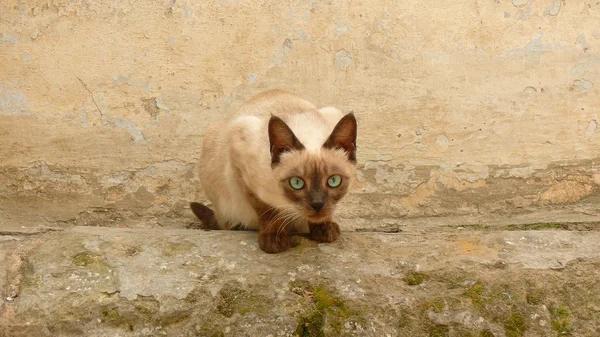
[[296, 183], [334, 181]]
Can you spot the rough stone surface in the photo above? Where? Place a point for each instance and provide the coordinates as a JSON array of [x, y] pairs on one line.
[[541, 281], [485, 108]]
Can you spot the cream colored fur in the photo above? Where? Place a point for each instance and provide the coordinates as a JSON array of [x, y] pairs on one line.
[[236, 155]]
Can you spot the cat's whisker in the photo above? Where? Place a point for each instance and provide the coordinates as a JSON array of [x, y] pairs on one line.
[[294, 217], [287, 219]]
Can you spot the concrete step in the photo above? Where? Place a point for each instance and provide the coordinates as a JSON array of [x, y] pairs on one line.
[[91, 281]]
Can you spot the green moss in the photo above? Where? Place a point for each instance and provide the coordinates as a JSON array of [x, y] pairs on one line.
[[170, 248], [404, 321], [414, 278], [311, 324], [514, 325], [133, 250], [438, 331], [536, 226], [462, 333], [110, 314], [475, 293], [91, 261], [84, 259], [234, 299], [534, 296], [324, 300], [208, 331], [146, 306], [328, 311], [436, 304], [300, 288], [486, 333], [560, 321], [29, 277]]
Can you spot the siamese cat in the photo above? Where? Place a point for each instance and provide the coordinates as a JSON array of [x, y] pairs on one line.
[[278, 165]]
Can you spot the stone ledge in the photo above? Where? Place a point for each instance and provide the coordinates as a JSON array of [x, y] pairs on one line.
[[132, 282]]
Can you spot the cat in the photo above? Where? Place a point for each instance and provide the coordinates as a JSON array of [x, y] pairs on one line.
[[278, 164]]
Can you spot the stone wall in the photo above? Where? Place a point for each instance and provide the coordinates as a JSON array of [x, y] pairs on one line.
[[485, 108]]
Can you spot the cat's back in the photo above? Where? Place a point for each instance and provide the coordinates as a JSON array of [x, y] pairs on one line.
[[245, 131], [276, 102], [309, 124]]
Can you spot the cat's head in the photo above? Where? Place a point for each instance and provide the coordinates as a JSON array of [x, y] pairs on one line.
[[313, 182]]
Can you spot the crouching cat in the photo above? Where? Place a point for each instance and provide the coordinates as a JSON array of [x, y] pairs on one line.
[[277, 165]]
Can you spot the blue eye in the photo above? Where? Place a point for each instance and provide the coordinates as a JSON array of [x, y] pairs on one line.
[[334, 181], [296, 183]]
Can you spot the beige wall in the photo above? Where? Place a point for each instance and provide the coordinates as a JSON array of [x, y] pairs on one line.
[[465, 107]]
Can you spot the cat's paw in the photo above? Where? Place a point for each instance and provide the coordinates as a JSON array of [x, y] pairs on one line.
[[324, 232], [273, 244]]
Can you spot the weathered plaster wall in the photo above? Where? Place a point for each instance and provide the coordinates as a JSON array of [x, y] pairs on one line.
[[465, 107]]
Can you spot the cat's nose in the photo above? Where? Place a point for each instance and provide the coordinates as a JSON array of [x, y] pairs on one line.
[[317, 205]]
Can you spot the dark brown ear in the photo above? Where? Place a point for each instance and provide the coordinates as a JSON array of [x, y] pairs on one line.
[[343, 136], [281, 139]]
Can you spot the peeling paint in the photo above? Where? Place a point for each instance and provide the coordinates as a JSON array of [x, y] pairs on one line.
[[582, 42], [442, 140], [151, 106], [340, 27], [343, 59], [555, 7], [519, 2], [129, 126], [161, 105], [521, 172], [581, 85], [13, 102], [286, 48], [8, 38], [83, 119], [533, 50], [591, 128]]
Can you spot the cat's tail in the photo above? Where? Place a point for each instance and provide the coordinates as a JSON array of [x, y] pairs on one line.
[[206, 215]]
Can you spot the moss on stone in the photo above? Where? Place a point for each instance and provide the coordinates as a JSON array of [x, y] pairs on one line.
[[324, 299], [414, 278], [404, 321], [438, 330], [29, 277], [536, 226], [514, 325], [486, 333], [146, 306], [436, 304], [560, 320], [475, 293], [234, 299], [91, 261], [328, 312], [111, 315], [311, 324], [170, 248], [534, 296], [84, 259]]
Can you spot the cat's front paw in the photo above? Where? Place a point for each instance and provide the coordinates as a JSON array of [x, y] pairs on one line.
[[324, 232], [273, 244]]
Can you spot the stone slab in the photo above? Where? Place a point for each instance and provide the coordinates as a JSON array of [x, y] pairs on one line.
[[138, 282]]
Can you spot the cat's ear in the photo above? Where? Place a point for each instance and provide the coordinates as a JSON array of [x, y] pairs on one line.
[[343, 136], [281, 139]]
